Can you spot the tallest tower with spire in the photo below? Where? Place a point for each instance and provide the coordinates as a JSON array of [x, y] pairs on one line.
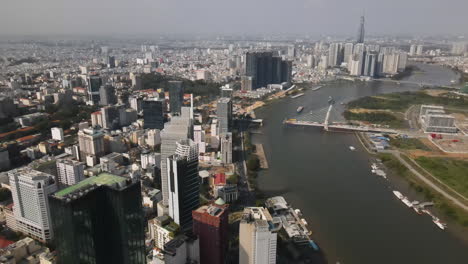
[[361, 32]]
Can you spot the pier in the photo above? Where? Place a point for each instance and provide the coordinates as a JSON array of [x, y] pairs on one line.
[[261, 156]]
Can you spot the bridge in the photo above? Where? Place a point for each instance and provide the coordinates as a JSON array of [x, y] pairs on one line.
[[330, 118]]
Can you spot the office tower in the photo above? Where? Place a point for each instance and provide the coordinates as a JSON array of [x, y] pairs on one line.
[[176, 97], [199, 138], [29, 189], [412, 50], [135, 103], [57, 133], [153, 113], [99, 220], [183, 182], [226, 148], [262, 68], [224, 114], [70, 171], [335, 54], [96, 119], [107, 95], [419, 50], [91, 142], [348, 52], [210, 224], [370, 64], [110, 62], [177, 129], [361, 31], [257, 237], [94, 84], [112, 115]]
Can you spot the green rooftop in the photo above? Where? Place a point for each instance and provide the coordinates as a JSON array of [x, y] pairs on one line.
[[101, 179]]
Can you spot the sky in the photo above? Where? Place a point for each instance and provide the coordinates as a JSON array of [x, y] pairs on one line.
[[232, 17]]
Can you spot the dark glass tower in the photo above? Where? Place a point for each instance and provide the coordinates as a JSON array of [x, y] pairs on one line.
[[176, 97], [99, 220], [361, 32], [153, 113]]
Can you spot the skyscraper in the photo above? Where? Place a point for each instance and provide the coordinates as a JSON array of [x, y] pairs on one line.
[[29, 189], [262, 68], [348, 52], [183, 181], [370, 64], [177, 129], [224, 114], [153, 113], [210, 224], [257, 237], [361, 31], [99, 220], [176, 97], [70, 171], [107, 95], [335, 54], [94, 84]]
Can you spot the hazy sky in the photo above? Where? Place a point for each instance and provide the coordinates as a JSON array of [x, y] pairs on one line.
[[313, 17]]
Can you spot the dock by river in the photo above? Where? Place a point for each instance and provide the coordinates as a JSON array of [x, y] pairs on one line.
[[261, 156]]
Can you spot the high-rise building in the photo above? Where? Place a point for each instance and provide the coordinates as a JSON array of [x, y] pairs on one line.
[[112, 116], [370, 64], [136, 81], [348, 52], [262, 68], [30, 189], [153, 137], [459, 48], [153, 113], [183, 182], [361, 31], [419, 50], [177, 129], [291, 51], [257, 237], [110, 62], [412, 51], [91, 142], [94, 84], [226, 148], [224, 114], [176, 96], [99, 220], [57, 133], [335, 54], [69, 172], [210, 224], [356, 64], [390, 64], [402, 60], [107, 95], [161, 230]]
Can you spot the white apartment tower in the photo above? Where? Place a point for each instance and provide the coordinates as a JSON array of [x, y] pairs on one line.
[[70, 171], [57, 133], [257, 237], [30, 190]]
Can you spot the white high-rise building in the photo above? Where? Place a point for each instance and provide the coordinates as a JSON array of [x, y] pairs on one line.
[[412, 50], [91, 142], [70, 171], [419, 50], [30, 190], [348, 52], [199, 138], [153, 137], [57, 133], [257, 237], [335, 55], [226, 148]]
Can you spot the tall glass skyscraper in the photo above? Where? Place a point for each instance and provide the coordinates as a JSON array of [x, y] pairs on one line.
[[176, 97], [153, 113], [99, 220]]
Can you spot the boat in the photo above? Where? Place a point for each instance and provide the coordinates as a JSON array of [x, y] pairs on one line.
[[317, 88], [374, 166], [439, 223], [453, 81], [297, 95], [417, 210], [299, 109], [398, 194], [304, 221], [313, 245], [407, 202], [341, 103], [352, 148]]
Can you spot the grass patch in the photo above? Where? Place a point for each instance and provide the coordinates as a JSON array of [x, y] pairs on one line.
[[452, 172], [381, 118], [401, 101], [408, 143], [451, 211]]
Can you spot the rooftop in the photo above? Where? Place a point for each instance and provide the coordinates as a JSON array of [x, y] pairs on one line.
[[101, 179]]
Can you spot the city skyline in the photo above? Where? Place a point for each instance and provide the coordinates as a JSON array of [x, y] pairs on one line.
[[310, 17]]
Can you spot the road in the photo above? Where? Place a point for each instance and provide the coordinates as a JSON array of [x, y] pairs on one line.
[[435, 187], [246, 195]]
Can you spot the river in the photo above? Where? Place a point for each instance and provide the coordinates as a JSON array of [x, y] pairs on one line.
[[353, 214]]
